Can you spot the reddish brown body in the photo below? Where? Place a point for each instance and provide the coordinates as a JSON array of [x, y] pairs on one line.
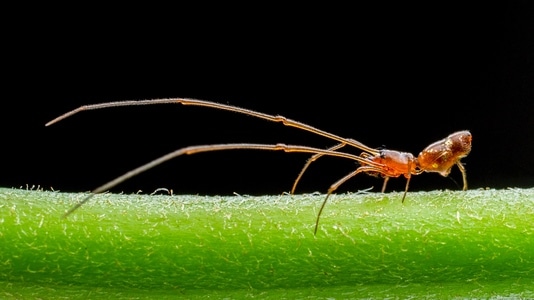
[[396, 163], [438, 157], [442, 155]]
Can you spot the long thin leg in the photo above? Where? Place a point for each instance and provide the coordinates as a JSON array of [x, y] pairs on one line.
[[334, 187], [406, 188], [317, 156], [386, 179], [218, 147], [464, 174], [196, 102], [308, 163]]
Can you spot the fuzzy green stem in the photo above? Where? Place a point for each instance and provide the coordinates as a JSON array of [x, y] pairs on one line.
[[474, 243]]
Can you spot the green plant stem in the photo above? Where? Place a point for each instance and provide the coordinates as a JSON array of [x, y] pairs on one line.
[[474, 243]]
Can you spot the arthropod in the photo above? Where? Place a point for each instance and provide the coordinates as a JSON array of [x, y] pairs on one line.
[[438, 157]]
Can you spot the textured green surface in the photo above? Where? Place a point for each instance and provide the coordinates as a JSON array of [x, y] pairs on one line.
[[474, 244]]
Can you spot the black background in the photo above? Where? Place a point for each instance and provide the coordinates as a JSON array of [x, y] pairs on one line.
[[400, 77]]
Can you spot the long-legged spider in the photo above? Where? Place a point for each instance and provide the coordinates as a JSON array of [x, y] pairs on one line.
[[438, 157]]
